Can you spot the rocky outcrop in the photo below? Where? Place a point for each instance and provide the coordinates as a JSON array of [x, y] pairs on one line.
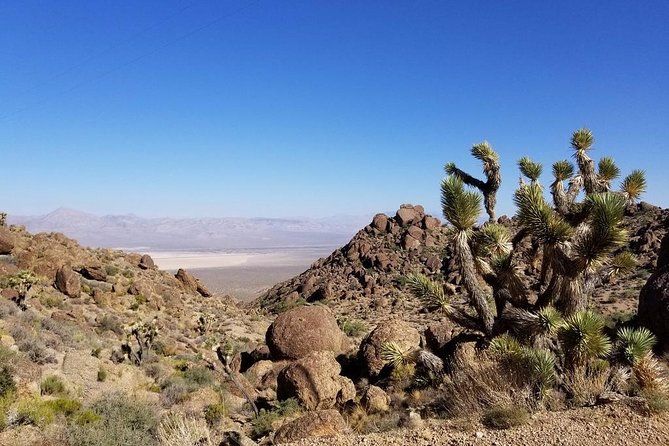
[[146, 262], [653, 309], [322, 423], [302, 330], [68, 282], [315, 382], [397, 331], [94, 272], [366, 267], [191, 283], [7, 241]]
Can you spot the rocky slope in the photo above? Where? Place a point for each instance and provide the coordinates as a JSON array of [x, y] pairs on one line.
[[359, 280]]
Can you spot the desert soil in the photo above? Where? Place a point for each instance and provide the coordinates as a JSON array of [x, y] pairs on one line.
[[611, 425]]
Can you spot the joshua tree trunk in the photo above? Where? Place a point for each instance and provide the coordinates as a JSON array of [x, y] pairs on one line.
[[478, 298]]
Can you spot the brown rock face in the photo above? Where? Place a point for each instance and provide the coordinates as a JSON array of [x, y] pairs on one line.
[[146, 262], [6, 241], [653, 309], [380, 222], [322, 423], [302, 330], [398, 331], [375, 400], [191, 283], [406, 215], [95, 272], [315, 381], [67, 282]]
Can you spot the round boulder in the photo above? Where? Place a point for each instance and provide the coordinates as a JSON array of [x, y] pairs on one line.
[[322, 423], [375, 400], [315, 382], [7, 241], [302, 330], [397, 331], [67, 282]]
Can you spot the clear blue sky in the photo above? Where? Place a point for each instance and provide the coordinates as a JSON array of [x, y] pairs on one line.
[[315, 108]]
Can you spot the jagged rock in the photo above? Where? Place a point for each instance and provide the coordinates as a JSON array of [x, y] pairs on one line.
[[94, 272], [431, 222], [302, 330], [409, 242], [315, 381], [438, 334], [322, 423], [375, 400], [141, 287], [191, 283], [67, 281], [380, 222], [7, 241], [407, 215], [264, 374], [235, 438], [433, 263], [653, 309], [146, 262], [398, 331]]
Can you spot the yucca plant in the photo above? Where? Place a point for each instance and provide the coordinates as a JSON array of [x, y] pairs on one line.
[[393, 355], [633, 186], [491, 168], [582, 141], [531, 169], [633, 344], [564, 198], [608, 171], [462, 208], [583, 339]]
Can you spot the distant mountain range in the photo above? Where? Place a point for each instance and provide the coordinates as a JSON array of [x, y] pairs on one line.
[[133, 232]]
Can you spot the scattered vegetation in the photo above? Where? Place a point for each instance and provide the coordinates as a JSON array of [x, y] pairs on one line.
[[263, 423]]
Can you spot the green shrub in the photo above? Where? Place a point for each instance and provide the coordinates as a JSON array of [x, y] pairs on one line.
[[52, 385], [115, 420], [102, 375], [262, 424], [42, 412], [213, 413], [505, 417], [198, 376], [112, 270], [7, 384], [658, 402], [353, 328], [111, 323]]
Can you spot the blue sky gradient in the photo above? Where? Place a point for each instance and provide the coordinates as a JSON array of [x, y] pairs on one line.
[[303, 108]]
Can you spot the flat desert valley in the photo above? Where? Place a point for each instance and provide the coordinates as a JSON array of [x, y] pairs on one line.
[[244, 273]]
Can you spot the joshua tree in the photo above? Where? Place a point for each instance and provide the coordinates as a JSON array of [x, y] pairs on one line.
[[144, 335], [576, 241], [3, 219], [490, 159], [22, 283]]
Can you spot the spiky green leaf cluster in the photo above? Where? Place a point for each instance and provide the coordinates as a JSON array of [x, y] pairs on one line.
[[622, 263], [604, 234], [634, 185], [583, 339], [535, 366], [633, 344], [608, 170], [530, 169], [582, 139], [505, 345], [493, 240], [563, 170], [550, 320], [461, 207], [393, 355], [483, 151], [538, 217], [428, 291]]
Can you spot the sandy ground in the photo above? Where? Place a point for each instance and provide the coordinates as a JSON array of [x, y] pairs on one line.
[[242, 274]]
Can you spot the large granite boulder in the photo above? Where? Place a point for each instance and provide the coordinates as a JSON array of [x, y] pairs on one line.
[[322, 423], [397, 331], [302, 330], [68, 282], [653, 312], [315, 382]]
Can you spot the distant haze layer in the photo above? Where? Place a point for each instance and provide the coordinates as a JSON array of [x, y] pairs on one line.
[[194, 234]]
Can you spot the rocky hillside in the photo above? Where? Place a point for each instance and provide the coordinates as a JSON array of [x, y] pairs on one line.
[[359, 280], [99, 347]]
